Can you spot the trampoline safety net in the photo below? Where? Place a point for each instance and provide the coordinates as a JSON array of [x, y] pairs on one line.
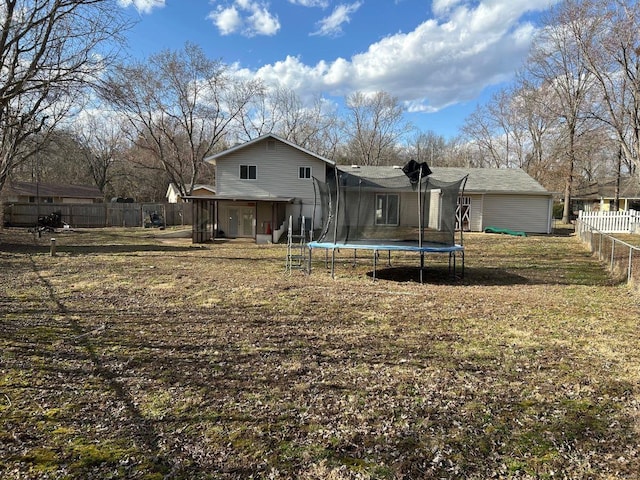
[[409, 207]]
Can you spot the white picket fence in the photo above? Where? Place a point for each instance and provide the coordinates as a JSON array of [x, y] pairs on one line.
[[625, 221]]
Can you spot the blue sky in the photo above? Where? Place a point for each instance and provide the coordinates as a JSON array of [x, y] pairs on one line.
[[439, 58]]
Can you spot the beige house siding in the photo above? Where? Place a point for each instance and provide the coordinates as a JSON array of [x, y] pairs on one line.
[[527, 213], [277, 171], [277, 178], [477, 203]]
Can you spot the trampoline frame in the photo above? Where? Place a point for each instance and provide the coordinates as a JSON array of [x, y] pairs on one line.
[[377, 245], [454, 251]]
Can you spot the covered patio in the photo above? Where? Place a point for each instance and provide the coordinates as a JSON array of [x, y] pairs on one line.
[[260, 218]]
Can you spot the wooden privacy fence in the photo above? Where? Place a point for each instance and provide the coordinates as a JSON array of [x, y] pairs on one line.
[[626, 221], [98, 214]]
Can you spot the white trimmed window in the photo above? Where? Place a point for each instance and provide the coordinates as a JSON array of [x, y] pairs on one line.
[[304, 172], [387, 208], [248, 172]]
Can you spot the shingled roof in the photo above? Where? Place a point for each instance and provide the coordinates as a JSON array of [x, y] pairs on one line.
[[480, 180], [629, 188], [48, 190]]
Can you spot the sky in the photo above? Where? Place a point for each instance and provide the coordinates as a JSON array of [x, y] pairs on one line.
[[439, 58]]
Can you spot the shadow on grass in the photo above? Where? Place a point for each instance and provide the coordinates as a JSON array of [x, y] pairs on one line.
[[483, 276], [142, 430], [75, 250], [230, 390]]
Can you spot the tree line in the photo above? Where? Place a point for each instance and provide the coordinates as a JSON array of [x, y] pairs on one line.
[[73, 109]]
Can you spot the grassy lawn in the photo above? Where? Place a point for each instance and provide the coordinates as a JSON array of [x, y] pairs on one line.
[[132, 355]]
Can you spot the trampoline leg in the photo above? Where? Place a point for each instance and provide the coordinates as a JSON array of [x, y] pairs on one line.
[[421, 265], [309, 264], [375, 263], [333, 261], [454, 265], [389, 261]]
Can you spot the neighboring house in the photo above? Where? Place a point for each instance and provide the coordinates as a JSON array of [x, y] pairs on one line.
[[600, 196], [173, 194], [28, 192], [259, 184], [492, 197]]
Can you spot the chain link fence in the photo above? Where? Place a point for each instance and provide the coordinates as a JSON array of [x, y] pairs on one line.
[[621, 258]]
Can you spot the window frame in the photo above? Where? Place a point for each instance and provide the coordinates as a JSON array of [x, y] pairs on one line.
[[385, 210], [305, 169], [247, 169]]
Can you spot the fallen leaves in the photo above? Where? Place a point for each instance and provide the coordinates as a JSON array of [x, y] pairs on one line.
[[166, 361]]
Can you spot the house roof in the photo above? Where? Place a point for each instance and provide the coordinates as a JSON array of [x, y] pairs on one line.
[[629, 188], [241, 198], [479, 180], [196, 186], [48, 190], [213, 158]]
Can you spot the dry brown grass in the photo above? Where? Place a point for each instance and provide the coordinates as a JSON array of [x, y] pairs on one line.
[[133, 356]]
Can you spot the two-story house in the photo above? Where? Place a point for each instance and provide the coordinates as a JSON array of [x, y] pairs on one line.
[[261, 183], [258, 185]]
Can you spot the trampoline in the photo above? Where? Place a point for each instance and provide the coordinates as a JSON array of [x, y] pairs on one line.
[[379, 209], [454, 252]]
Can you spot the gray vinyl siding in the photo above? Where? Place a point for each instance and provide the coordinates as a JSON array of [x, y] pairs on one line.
[[527, 213], [277, 172]]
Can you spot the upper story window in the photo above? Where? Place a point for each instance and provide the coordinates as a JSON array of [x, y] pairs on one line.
[[304, 172], [248, 172]]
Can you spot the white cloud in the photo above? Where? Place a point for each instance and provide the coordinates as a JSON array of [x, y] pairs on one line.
[[247, 17], [227, 20], [332, 25], [446, 60], [143, 6], [262, 22], [441, 7], [311, 3]]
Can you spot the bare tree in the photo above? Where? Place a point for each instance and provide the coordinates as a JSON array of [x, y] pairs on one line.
[[180, 105], [427, 147], [557, 64], [58, 159], [607, 34], [50, 52], [313, 125], [482, 127], [374, 128], [460, 153], [103, 146]]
